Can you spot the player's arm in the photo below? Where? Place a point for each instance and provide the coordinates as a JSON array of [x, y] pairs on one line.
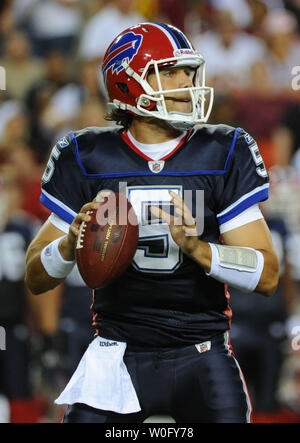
[[247, 259], [51, 255], [256, 235]]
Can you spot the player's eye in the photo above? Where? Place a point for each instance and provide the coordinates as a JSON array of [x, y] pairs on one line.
[[190, 72], [168, 73]]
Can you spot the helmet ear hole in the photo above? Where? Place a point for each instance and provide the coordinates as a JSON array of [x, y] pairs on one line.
[[123, 87]]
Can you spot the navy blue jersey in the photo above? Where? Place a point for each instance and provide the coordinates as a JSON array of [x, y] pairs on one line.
[[77, 299], [164, 298]]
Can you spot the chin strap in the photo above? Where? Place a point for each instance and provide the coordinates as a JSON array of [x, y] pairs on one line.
[[182, 125]]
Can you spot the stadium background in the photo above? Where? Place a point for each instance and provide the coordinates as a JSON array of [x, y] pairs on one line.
[[51, 50]]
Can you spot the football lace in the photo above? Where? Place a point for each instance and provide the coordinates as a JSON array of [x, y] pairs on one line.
[[80, 237]]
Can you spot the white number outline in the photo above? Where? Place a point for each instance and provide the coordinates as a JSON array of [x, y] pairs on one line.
[[50, 167], [169, 243], [258, 160]]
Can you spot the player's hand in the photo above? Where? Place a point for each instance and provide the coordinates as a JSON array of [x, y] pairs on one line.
[[182, 224], [67, 245]]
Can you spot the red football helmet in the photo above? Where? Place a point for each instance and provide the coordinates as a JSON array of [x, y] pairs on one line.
[[145, 47]]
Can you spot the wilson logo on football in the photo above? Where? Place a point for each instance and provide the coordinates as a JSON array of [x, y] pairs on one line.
[[124, 49]]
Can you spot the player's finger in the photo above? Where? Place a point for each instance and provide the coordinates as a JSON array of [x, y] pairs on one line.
[[89, 206], [189, 219], [178, 202], [182, 209], [161, 215], [101, 196], [81, 217], [190, 231]]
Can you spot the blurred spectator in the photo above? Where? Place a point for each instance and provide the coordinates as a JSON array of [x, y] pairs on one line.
[[91, 113], [258, 331], [229, 53], [294, 7], [47, 356], [57, 116], [173, 12], [224, 110], [280, 29], [289, 390], [147, 8], [296, 163], [290, 120], [16, 231], [54, 25], [23, 161], [259, 11], [13, 125], [61, 111], [3, 6], [260, 109], [6, 21], [20, 11], [239, 9], [284, 201], [76, 320], [198, 18], [103, 27], [57, 75], [21, 69]]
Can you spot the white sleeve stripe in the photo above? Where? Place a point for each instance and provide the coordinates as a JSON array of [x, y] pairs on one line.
[[59, 203], [249, 215], [244, 197], [59, 223]]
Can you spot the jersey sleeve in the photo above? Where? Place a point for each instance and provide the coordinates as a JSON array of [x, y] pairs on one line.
[[246, 181], [63, 184]]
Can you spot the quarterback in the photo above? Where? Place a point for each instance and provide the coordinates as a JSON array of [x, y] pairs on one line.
[[162, 329]]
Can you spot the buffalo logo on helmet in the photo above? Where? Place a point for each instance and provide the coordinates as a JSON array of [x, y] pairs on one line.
[[124, 49]]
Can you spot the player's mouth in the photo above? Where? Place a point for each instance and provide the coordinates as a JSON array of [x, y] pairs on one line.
[[179, 99], [181, 104]]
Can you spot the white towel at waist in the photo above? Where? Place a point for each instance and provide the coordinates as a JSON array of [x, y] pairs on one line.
[[101, 379]]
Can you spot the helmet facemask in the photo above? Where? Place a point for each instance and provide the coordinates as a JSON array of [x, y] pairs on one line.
[[152, 102]]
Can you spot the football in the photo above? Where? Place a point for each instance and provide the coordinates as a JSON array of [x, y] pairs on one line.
[[107, 243]]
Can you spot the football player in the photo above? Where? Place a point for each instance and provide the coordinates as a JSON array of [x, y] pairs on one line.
[[162, 344]]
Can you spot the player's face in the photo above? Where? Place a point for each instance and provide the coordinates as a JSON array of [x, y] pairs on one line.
[[175, 78]]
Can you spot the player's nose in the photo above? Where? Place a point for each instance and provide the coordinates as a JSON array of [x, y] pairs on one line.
[[184, 79]]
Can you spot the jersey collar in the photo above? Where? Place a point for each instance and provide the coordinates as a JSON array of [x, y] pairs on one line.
[[127, 140]]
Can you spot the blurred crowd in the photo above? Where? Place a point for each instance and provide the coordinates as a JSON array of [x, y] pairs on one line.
[[51, 51]]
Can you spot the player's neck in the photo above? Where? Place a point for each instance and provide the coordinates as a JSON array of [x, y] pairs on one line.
[[150, 131]]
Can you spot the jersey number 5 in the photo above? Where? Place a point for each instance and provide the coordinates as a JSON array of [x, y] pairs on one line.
[[55, 153], [258, 160], [157, 252]]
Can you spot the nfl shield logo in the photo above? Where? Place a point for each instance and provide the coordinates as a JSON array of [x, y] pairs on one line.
[[203, 347], [156, 166]]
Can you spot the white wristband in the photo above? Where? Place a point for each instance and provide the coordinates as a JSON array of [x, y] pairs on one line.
[[54, 264], [237, 266]]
